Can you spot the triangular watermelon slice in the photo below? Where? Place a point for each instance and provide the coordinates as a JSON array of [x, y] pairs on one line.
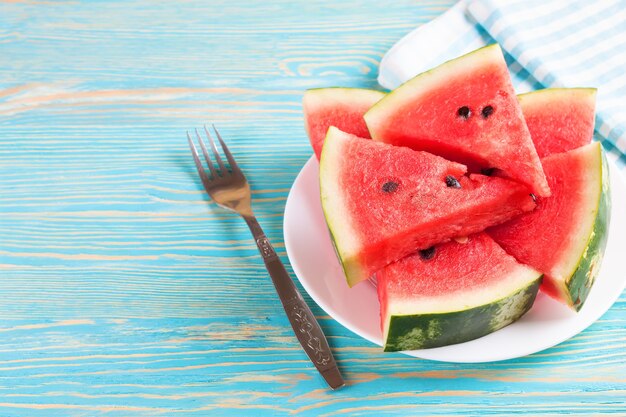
[[454, 293], [464, 110], [559, 119], [566, 235], [383, 202], [340, 107]]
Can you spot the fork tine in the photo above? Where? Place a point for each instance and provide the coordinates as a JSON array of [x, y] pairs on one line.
[[216, 153], [196, 159], [229, 156], [206, 155]]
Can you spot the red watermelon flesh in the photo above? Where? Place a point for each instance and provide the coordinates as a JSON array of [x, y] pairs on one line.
[[566, 235], [559, 119], [464, 110], [383, 202], [453, 293], [340, 107]]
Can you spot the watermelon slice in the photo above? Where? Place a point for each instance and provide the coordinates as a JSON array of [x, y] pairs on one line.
[[464, 110], [566, 235], [340, 107], [459, 292], [383, 202], [559, 119]]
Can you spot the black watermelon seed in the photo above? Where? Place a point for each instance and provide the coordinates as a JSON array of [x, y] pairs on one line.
[[427, 254], [488, 171], [534, 197], [452, 182], [487, 111], [464, 112], [390, 186]]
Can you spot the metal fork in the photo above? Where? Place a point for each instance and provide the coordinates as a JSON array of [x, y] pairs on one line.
[[230, 190]]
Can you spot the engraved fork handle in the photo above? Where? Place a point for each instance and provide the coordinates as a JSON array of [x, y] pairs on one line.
[[306, 328]]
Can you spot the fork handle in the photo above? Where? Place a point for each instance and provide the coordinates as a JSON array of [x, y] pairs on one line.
[[306, 328]]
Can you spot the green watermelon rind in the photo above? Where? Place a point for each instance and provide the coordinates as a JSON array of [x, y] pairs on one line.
[[557, 92], [424, 331], [577, 286], [335, 219]]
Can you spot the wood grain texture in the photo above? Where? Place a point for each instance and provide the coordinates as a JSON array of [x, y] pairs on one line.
[[123, 293]]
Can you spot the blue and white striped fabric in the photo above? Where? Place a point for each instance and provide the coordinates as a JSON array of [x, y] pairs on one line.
[[547, 43]]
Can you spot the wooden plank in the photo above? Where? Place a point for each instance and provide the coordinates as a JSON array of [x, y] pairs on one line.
[[125, 293], [219, 367]]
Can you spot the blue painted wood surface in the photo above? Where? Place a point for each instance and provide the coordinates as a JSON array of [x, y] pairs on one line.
[[123, 293]]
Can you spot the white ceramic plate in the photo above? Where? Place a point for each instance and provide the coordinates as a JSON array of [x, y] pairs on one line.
[[548, 323]]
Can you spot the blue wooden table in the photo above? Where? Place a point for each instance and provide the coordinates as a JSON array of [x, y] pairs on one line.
[[124, 293]]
